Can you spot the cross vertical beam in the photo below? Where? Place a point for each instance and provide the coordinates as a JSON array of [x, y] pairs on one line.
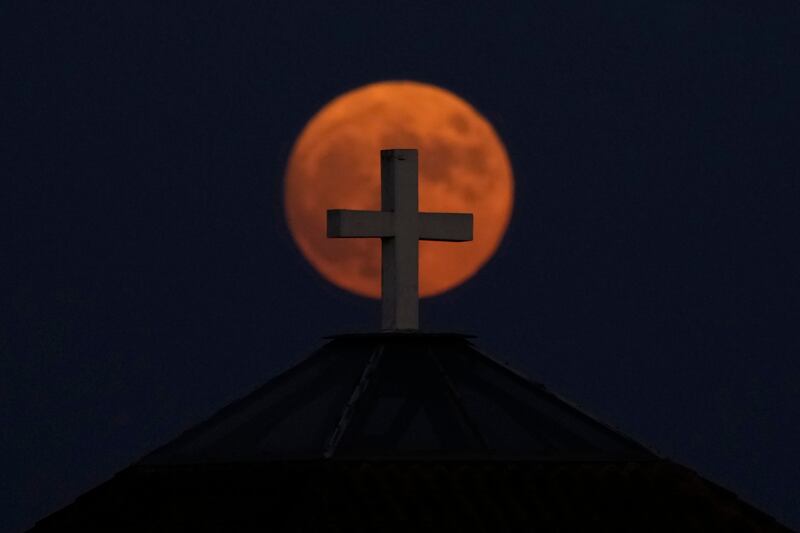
[[400, 254], [400, 226]]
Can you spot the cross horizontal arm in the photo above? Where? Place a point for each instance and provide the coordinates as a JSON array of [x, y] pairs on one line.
[[350, 223], [453, 227]]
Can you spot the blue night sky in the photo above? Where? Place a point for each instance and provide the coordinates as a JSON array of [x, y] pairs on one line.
[[649, 273]]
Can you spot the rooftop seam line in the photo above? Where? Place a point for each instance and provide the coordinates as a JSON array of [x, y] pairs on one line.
[[580, 412], [456, 398], [347, 413]]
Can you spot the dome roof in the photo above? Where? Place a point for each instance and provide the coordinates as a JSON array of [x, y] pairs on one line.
[[398, 394], [402, 432]]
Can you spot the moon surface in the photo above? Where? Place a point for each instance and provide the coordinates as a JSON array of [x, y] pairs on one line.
[[335, 164]]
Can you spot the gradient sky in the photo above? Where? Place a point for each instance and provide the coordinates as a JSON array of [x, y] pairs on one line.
[[649, 274]]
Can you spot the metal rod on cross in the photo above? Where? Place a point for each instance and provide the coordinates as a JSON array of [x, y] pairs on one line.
[[400, 226]]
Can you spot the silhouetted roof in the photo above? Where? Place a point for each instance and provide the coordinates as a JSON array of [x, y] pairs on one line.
[[397, 394], [405, 432], [410, 495]]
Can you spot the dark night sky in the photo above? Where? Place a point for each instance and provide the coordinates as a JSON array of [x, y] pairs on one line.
[[649, 274]]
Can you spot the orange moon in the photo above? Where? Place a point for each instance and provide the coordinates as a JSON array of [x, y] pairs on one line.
[[335, 164]]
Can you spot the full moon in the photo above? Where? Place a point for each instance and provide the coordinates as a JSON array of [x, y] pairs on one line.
[[335, 164]]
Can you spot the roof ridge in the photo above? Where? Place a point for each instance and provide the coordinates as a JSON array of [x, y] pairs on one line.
[[580, 411], [358, 391], [458, 401]]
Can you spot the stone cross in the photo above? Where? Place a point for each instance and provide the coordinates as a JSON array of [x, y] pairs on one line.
[[399, 225]]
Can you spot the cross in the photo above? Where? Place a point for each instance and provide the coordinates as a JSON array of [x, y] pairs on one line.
[[400, 226]]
